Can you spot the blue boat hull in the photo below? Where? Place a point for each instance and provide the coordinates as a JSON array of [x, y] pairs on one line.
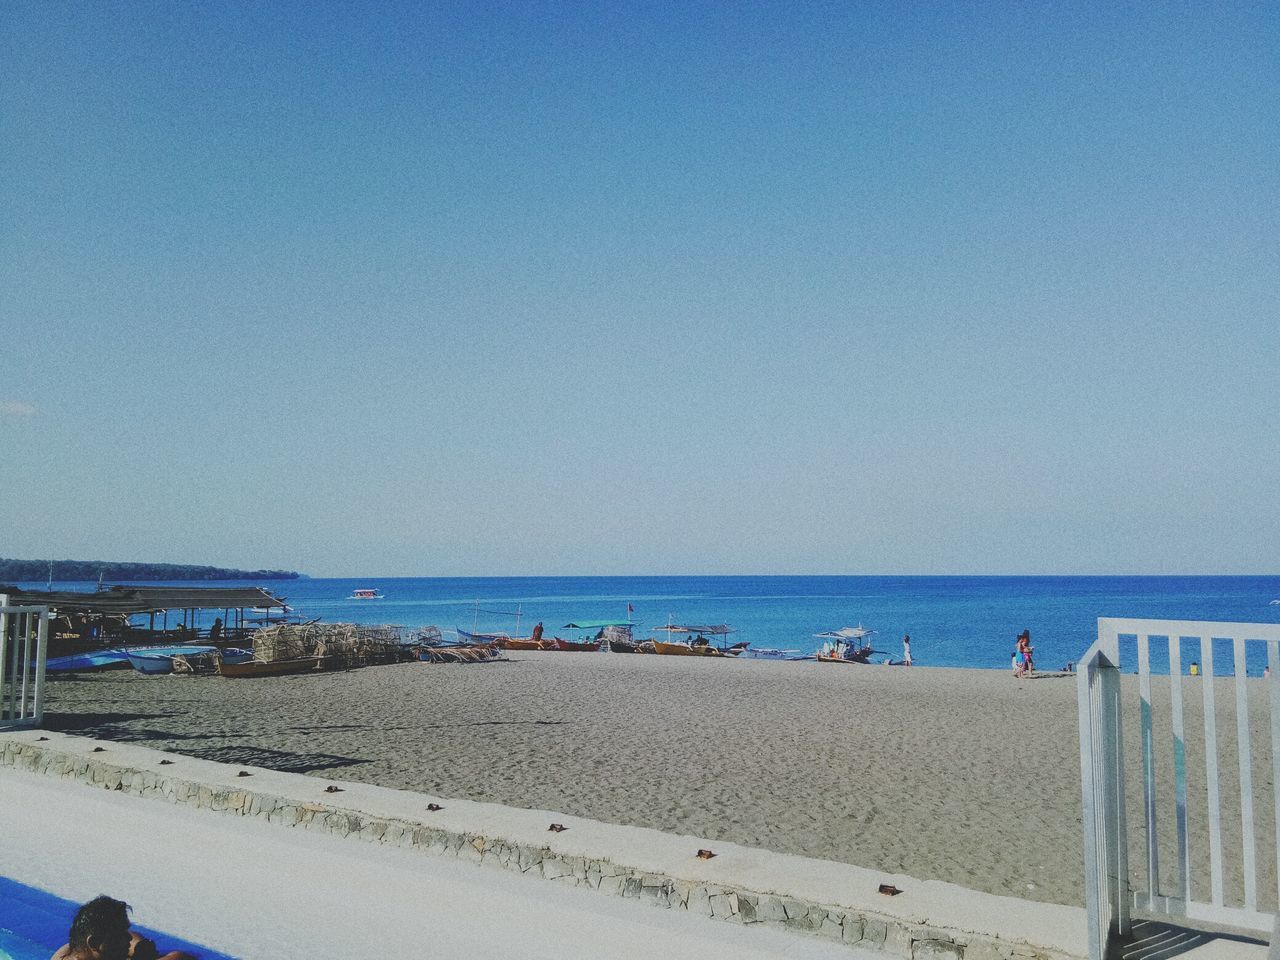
[[98, 660]]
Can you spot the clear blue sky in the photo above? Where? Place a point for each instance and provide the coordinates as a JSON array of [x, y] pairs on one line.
[[542, 288]]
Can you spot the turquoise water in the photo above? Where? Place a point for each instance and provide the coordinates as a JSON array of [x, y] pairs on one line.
[[14, 947], [953, 621], [33, 924]]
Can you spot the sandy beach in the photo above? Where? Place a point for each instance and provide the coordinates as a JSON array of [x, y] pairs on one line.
[[966, 776]]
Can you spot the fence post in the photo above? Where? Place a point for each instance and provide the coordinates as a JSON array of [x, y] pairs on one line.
[[42, 656]]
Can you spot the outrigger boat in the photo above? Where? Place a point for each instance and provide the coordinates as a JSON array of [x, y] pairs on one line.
[[535, 641], [365, 595], [504, 640], [500, 637], [616, 633], [770, 653], [698, 643], [846, 645], [467, 638], [573, 646]]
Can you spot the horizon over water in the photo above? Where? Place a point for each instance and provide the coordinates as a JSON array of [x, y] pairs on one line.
[[954, 621]]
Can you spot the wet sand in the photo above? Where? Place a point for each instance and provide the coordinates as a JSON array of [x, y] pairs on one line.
[[967, 776]]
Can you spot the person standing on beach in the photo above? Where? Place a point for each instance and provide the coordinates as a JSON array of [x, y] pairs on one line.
[[1024, 652], [906, 649]]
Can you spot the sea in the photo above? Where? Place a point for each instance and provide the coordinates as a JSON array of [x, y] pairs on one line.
[[955, 621]]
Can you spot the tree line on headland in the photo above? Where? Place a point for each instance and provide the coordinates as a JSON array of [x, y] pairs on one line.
[[16, 571]]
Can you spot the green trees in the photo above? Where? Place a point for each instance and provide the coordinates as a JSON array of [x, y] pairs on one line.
[[26, 571]]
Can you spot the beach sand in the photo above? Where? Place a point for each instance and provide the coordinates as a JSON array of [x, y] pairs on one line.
[[967, 776]]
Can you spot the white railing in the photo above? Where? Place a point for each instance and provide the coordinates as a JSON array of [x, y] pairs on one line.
[[1106, 868], [24, 638], [1108, 893]]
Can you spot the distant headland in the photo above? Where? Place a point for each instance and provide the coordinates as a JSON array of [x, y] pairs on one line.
[[17, 571]]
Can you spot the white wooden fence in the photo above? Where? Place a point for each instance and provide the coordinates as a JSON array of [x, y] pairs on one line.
[[1109, 894], [24, 638]]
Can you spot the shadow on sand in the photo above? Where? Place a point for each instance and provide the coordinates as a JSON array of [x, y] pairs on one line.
[[281, 760], [1158, 940]]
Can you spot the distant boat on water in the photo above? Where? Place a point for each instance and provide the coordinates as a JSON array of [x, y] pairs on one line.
[[365, 595]]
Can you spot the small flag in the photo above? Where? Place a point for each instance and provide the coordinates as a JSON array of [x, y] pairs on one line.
[[630, 608]]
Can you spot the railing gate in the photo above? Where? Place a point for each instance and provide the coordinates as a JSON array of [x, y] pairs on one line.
[[24, 638], [1108, 895]]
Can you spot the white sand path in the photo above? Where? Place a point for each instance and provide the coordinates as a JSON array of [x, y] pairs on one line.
[[257, 890]]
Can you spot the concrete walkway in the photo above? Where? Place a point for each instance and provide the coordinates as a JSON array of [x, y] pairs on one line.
[[255, 890]]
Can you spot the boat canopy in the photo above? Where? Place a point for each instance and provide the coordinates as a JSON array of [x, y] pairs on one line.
[[714, 630], [597, 624], [846, 633]]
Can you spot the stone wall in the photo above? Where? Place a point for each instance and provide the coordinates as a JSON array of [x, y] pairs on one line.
[[77, 759]]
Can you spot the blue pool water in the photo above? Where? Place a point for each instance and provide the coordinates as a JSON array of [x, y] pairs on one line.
[[33, 924], [953, 621]]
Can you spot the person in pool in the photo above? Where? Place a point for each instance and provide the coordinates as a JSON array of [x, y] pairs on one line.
[[100, 931]]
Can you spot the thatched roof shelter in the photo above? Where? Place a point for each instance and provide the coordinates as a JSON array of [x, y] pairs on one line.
[[128, 601]]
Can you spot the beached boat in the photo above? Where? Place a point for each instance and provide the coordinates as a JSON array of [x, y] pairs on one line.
[[673, 649], [571, 646], [365, 595], [526, 643], [846, 645], [596, 633], [535, 641], [618, 637], [501, 637], [97, 660], [159, 660], [272, 668], [771, 653], [466, 637], [699, 641]]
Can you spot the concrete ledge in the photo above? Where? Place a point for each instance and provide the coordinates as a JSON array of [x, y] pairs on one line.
[[836, 901]]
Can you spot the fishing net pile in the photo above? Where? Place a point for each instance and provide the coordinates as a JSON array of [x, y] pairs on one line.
[[477, 653], [343, 644], [197, 662], [425, 637]]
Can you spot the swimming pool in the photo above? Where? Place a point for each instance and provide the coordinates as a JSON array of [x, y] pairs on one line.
[[33, 924]]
